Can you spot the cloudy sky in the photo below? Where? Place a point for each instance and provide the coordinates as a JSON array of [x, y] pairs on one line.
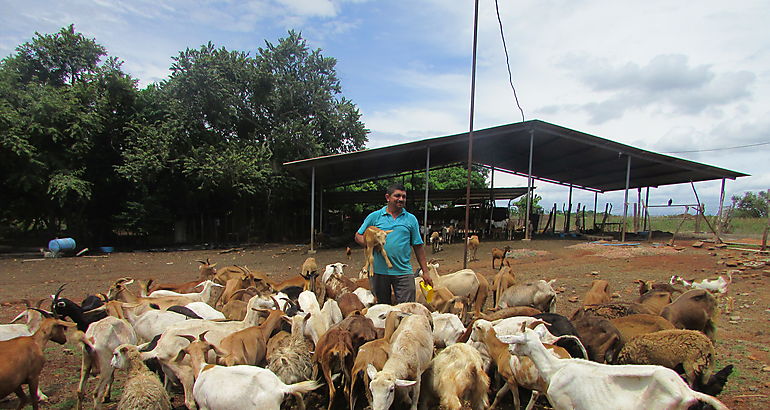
[[671, 77]]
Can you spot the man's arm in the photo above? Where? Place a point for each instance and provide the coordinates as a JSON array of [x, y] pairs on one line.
[[360, 240], [419, 252]]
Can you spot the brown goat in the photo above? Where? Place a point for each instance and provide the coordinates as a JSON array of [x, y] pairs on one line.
[[504, 278], [639, 324], [694, 310], [349, 303], [249, 346], [473, 246], [499, 254], [334, 351], [21, 360], [374, 239], [598, 294], [655, 300], [375, 353]]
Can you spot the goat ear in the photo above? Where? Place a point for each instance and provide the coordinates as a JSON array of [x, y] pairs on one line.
[[512, 339], [371, 371], [405, 383], [180, 356]]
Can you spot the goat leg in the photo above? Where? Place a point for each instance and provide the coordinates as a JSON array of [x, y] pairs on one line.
[[85, 372], [385, 255], [22, 397], [532, 399]]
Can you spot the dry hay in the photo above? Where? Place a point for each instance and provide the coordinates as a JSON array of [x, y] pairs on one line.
[[614, 250]]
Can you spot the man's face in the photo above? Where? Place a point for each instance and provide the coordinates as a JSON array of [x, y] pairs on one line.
[[397, 199]]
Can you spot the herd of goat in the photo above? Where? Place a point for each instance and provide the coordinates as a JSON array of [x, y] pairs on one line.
[[235, 339]]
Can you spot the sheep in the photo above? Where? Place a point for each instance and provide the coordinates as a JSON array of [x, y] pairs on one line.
[[455, 374], [638, 324], [236, 387], [598, 294], [693, 310], [410, 354], [291, 361], [98, 344], [612, 386], [143, 389], [669, 348], [374, 239], [499, 254], [504, 278], [537, 294], [473, 246], [614, 310], [22, 360]]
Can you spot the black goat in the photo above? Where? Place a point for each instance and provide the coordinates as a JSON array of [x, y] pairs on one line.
[[83, 318]]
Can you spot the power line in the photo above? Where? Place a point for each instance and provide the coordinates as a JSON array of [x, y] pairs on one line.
[[507, 62], [719, 149]]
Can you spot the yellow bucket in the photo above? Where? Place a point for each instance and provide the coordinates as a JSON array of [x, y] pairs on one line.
[[427, 291]]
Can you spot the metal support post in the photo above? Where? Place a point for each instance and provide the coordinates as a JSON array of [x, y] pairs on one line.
[[425, 215], [625, 200], [527, 230]]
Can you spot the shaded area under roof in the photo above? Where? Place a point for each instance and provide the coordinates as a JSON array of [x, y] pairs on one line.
[[454, 195], [560, 155]]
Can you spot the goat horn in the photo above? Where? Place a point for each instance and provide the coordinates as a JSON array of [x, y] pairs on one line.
[[202, 336], [538, 322], [188, 337], [44, 313], [277, 305]]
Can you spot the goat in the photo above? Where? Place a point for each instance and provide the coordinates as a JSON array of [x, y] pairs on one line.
[[98, 344], [374, 353], [236, 387], [694, 310], [499, 254], [509, 312], [718, 285], [632, 326], [143, 389], [22, 360], [248, 346], [447, 328], [537, 294], [206, 271], [504, 278], [473, 246], [33, 317], [463, 283], [334, 351], [598, 294], [655, 300], [649, 285], [309, 272], [410, 354], [455, 374], [435, 242], [374, 239], [349, 303], [626, 386], [601, 338]]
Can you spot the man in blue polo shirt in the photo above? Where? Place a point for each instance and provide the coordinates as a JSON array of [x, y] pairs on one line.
[[399, 245]]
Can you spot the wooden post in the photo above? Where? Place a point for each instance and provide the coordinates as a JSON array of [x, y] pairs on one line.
[[721, 206], [596, 198], [719, 240], [764, 235], [553, 227], [684, 217], [312, 209], [636, 218]]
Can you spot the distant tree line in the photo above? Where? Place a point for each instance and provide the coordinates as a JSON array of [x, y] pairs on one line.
[[85, 152]]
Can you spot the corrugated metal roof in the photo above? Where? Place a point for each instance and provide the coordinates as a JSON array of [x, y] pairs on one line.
[[560, 155], [453, 195]]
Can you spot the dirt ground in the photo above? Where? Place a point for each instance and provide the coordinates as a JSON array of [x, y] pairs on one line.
[[742, 336]]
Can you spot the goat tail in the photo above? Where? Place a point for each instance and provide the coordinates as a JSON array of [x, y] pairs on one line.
[[302, 387], [712, 401]]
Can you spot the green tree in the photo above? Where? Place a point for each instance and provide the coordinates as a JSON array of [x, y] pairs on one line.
[[63, 110], [751, 205], [519, 207]]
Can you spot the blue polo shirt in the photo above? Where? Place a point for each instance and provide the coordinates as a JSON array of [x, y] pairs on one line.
[[398, 245]]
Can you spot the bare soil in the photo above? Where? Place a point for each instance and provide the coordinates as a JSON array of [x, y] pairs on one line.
[[742, 337]]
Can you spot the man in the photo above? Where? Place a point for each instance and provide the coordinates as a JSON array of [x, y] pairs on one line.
[[405, 235]]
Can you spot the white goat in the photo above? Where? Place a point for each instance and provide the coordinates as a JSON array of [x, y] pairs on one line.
[[99, 342], [537, 294], [718, 285], [611, 386], [365, 296], [455, 374], [411, 351], [205, 295], [237, 387], [447, 327]]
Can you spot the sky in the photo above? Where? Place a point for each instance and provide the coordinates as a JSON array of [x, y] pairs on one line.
[[681, 78]]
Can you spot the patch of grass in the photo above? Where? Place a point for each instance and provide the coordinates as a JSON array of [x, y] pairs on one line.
[[66, 404]]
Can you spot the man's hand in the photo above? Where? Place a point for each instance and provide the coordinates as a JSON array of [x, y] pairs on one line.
[[427, 279]]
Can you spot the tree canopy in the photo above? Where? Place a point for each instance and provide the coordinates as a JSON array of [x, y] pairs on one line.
[[86, 152]]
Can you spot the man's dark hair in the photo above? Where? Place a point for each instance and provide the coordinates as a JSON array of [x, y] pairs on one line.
[[394, 187]]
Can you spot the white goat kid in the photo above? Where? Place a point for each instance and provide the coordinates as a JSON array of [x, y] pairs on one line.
[[584, 385], [411, 353]]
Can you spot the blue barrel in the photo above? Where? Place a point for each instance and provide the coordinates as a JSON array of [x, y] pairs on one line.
[[61, 245]]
